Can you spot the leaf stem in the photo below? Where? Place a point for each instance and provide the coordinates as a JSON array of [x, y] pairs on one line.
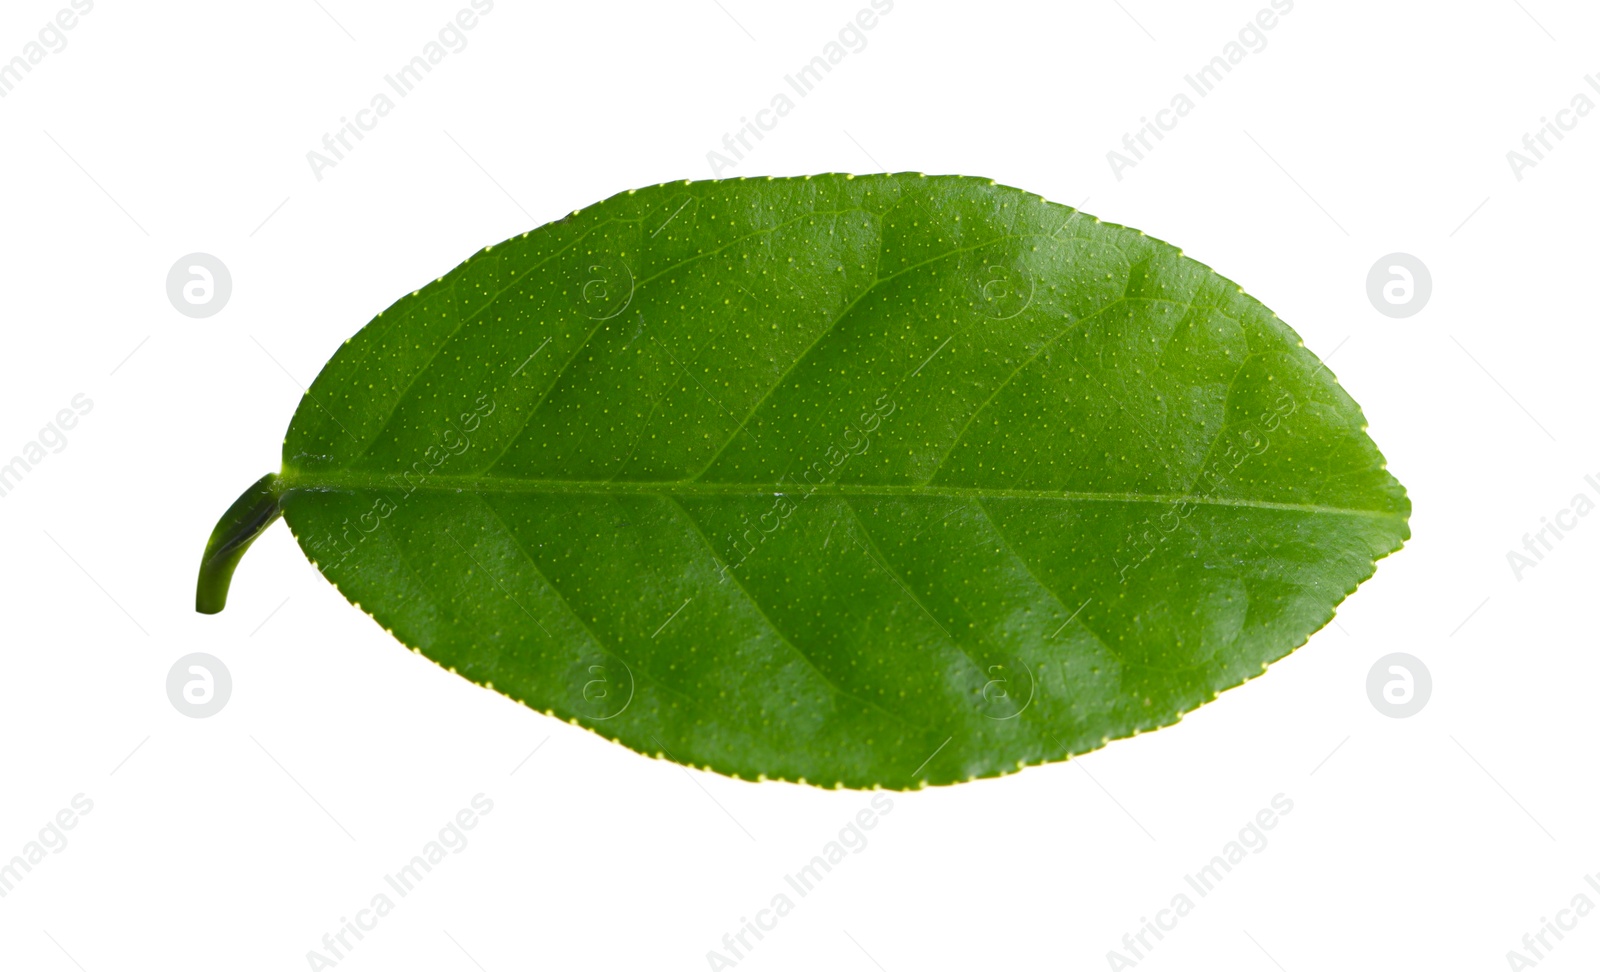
[[250, 514]]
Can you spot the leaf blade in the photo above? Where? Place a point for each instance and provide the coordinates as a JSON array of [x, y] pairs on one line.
[[842, 473]]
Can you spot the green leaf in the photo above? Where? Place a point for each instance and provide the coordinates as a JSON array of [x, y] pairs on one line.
[[866, 481]]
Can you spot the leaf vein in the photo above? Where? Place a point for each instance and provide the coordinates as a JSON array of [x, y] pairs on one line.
[[793, 646]]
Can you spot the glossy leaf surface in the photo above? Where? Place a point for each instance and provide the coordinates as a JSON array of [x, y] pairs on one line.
[[872, 481]]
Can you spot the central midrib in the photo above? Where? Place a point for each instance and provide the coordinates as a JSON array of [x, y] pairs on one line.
[[293, 480]]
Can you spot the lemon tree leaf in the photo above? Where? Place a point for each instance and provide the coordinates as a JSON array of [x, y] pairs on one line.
[[885, 480]]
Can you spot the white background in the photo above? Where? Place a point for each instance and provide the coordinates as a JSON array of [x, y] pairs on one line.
[[239, 840]]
